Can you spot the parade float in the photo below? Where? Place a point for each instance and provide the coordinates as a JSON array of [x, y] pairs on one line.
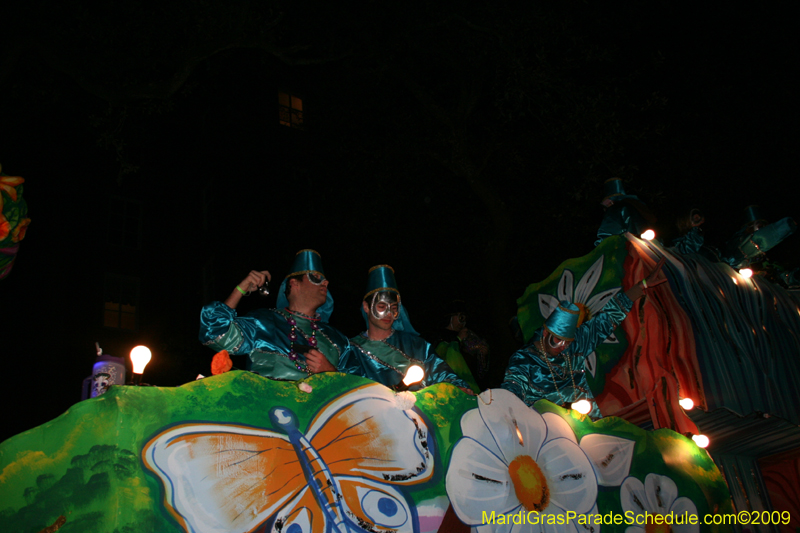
[[237, 452]]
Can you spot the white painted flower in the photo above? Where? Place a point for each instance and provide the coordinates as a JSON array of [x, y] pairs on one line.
[[305, 387], [610, 456], [658, 495], [581, 295], [511, 459]]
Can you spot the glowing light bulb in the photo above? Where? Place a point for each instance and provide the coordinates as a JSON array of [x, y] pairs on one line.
[[686, 403], [701, 440], [582, 406], [140, 356], [414, 374], [746, 273], [649, 235]]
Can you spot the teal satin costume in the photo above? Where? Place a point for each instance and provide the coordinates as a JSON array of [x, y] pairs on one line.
[[386, 361], [626, 215], [745, 247], [264, 336], [689, 243], [529, 377]]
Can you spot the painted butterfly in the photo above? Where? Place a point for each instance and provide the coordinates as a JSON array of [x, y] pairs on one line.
[[342, 475]]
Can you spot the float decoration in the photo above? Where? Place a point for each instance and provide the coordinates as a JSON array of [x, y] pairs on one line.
[[14, 220], [349, 455]]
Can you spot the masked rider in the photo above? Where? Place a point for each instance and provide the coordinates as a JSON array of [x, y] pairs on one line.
[[551, 365], [390, 345], [288, 343]]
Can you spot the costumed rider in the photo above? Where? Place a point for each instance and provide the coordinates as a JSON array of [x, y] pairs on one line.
[[288, 343], [755, 238], [691, 240], [623, 212], [551, 365], [390, 345]]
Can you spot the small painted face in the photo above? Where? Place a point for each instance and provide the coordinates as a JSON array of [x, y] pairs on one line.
[[102, 382]]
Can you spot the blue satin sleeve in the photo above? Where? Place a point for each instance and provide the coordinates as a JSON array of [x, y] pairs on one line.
[[529, 378], [350, 362], [600, 327], [222, 329], [438, 371]]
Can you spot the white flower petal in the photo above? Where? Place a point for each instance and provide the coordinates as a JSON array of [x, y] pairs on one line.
[[599, 300], [590, 363], [472, 426], [611, 339], [570, 477], [547, 303], [527, 527], [476, 481], [661, 492], [557, 428], [504, 416], [566, 527], [633, 498], [684, 506], [610, 456], [589, 525], [588, 281], [564, 291]]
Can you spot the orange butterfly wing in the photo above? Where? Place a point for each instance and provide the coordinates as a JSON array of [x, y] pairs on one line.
[[364, 433], [219, 477]]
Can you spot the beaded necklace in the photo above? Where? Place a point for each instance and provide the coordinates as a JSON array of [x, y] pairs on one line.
[[312, 341], [546, 357]]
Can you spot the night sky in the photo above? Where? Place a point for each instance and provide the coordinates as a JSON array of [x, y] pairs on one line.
[[465, 145]]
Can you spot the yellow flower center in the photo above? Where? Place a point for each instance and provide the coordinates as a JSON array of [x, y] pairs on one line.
[[657, 528], [530, 485]]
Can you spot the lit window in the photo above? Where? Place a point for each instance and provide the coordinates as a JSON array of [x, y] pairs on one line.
[[121, 297], [290, 110], [124, 222]]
